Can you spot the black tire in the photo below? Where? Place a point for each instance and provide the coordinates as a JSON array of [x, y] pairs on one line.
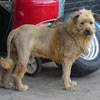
[[59, 66], [37, 69]]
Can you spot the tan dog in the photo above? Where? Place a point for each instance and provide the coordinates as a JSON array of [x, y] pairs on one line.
[[62, 43]]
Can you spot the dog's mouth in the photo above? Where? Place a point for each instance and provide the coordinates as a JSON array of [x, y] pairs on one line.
[[86, 32]]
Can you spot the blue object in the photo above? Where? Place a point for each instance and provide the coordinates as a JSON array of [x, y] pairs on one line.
[[98, 24], [61, 7]]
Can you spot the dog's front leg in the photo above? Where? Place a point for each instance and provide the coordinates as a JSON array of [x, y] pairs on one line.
[[66, 68], [72, 83]]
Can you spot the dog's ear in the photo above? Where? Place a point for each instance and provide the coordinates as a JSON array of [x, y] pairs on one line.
[[96, 16], [75, 16]]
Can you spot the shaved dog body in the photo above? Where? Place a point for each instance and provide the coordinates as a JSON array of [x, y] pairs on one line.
[[62, 43]]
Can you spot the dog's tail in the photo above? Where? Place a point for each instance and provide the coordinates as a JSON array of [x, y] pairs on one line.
[[7, 63], [10, 37]]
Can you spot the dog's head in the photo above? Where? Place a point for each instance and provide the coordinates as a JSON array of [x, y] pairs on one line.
[[84, 21]]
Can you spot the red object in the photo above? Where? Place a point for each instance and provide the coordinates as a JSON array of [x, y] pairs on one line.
[[33, 11]]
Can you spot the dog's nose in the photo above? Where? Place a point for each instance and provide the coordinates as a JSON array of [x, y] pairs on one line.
[[88, 32]]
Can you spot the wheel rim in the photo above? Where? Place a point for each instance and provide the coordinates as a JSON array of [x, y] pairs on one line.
[[32, 65], [93, 50]]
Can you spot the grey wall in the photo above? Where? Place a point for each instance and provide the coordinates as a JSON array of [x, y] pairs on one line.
[[73, 5]]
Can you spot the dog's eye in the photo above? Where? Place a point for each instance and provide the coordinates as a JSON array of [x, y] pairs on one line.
[[82, 23], [91, 22]]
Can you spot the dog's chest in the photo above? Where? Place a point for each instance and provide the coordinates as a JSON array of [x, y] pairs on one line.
[[61, 50]]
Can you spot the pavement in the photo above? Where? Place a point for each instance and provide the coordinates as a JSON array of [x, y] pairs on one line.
[[48, 86]]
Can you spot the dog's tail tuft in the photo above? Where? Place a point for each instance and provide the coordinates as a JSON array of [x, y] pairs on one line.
[[6, 63]]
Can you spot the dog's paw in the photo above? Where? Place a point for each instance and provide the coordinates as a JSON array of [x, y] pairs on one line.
[[26, 87], [73, 83], [23, 88], [69, 88], [7, 86]]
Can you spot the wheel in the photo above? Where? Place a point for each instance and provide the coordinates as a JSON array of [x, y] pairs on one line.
[[90, 63], [34, 66]]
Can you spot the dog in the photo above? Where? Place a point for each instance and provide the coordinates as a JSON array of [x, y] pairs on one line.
[[63, 43]]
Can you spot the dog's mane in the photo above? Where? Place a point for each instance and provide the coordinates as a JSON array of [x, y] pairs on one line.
[[65, 31], [58, 41]]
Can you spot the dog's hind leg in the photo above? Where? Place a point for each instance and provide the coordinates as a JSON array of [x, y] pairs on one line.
[[18, 75], [5, 78], [24, 48], [5, 73], [21, 67]]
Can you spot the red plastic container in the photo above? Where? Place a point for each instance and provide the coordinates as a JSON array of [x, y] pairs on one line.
[[33, 11]]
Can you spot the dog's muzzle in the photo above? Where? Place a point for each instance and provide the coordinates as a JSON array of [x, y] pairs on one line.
[[88, 32]]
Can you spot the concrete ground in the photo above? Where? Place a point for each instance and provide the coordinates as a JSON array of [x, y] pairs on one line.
[[48, 86]]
